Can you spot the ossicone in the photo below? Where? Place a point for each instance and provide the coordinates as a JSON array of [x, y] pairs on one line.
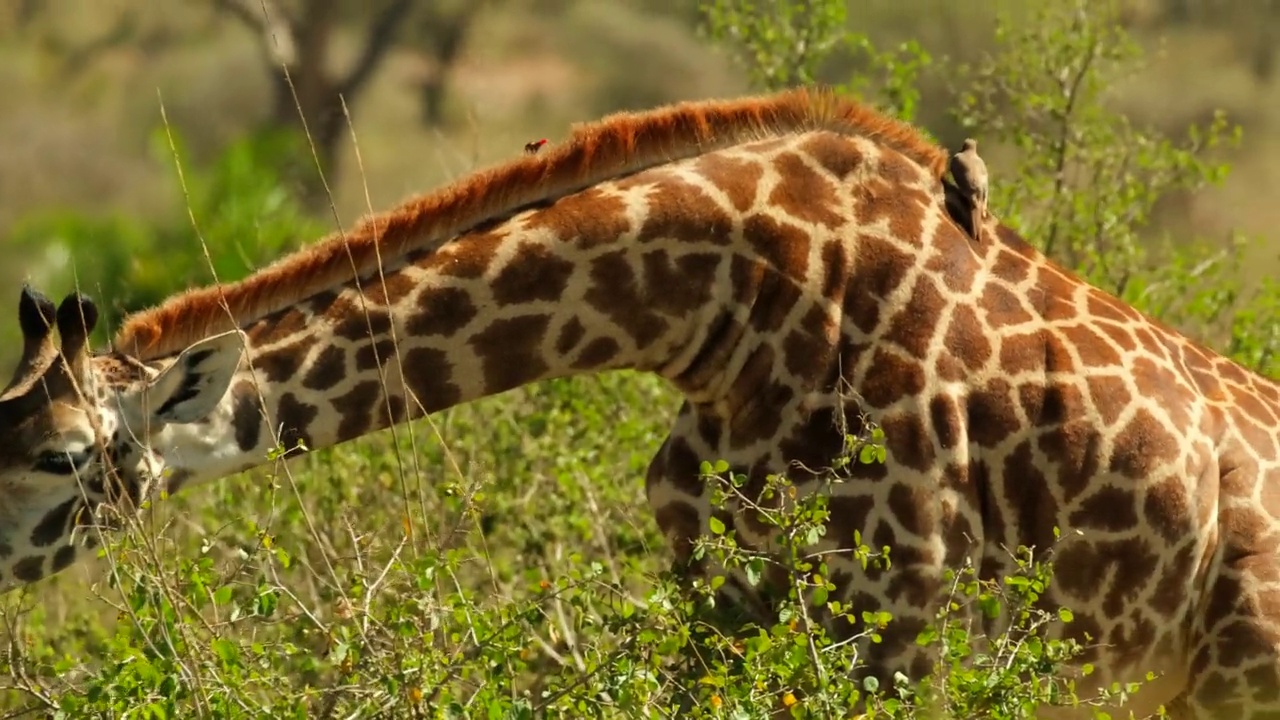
[[36, 317], [77, 317]]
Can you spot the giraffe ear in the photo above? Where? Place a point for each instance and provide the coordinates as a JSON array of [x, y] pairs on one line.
[[196, 382]]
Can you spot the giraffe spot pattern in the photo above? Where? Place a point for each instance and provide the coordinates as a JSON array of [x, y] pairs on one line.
[[775, 295], [1010, 267], [891, 378], [806, 196], [363, 322], [388, 288], [991, 415], [880, 267], [678, 210], [785, 247], [616, 292], [907, 437], [442, 311], [598, 353], [953, 264], [837, 157], [29, 569], [1092, 350], [1002, 308], [571, 333], [946, 423], [674, 286], [738, 178], [468, 260], [294, 418], [680, 464], [283, 363], [877, 202], [355, 407], [539, 275], [966, 340], [393, 411], [1143, 445], [835, 271], [372, 355], [1175, 582], [54, 526], [1102, 306], [913, 508], [1026, 490], [1108, 508], [510, 352], [757, 393], [722, 335], [62, 559], [327, 370], [586, 219], [1082, 570], [681, 523], [1109, 395], [246, 415], [808, 348], [1073, 449], [428, 374], [281, 324], [905, 328]]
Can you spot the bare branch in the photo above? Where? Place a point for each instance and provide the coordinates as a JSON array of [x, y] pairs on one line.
[[271, 21], [242, 11], [381, 34]]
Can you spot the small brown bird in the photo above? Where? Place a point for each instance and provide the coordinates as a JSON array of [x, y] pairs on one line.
[[532, 148], [970, 174]]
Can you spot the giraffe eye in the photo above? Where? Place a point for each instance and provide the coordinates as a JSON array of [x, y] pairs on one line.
[[62, 462]]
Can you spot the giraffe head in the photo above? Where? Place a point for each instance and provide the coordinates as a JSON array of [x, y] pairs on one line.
[[82, 432]]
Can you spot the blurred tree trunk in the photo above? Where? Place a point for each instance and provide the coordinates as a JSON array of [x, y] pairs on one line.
[[440, 31], [1264, 54], [296, 43]]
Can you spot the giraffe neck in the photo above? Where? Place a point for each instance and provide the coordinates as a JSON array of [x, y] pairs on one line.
[[555, 291], [729, 274]]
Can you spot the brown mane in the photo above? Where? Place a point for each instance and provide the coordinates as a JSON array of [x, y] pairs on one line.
[[616, 145]]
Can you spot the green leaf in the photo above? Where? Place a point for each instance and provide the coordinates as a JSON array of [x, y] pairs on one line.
[[717, 525], [226, 651], [927, 636]]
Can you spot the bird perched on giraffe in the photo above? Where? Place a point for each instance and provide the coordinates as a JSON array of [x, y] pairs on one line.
[[970, 174]]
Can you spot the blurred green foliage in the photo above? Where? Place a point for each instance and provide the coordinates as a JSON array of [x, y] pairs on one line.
[[240, 214]]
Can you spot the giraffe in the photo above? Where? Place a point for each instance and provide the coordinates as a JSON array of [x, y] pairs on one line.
[[763, 255]]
